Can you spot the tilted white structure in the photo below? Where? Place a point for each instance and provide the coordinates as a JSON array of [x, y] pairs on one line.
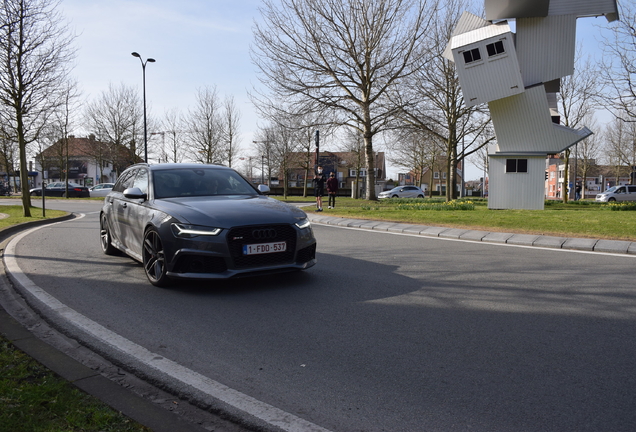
[[518, 75]]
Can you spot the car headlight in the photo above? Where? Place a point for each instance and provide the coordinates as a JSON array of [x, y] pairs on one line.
[[303, 223], [188, 231]]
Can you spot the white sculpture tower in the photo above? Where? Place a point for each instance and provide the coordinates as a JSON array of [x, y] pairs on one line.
[[518, 75]]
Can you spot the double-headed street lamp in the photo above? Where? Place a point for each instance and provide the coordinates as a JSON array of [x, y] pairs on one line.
[[143, 67]]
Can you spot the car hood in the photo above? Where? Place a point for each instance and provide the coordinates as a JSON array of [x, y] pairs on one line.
[[229, 211]]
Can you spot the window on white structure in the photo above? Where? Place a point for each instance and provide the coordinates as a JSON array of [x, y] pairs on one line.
[[436, 174], [443, 175], [352, 173], [516, 165], [471, 55], [363, 172], [495, 48]]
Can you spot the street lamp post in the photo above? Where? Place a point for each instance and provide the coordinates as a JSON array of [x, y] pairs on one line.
[[262, 169], [143, 67]]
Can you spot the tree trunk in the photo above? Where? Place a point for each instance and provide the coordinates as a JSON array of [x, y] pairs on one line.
[[370, 155], [24, 174], [566, 170]]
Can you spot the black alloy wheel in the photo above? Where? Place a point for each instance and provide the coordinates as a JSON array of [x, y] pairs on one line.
[[104, 237], [611, 200], [154, 259]]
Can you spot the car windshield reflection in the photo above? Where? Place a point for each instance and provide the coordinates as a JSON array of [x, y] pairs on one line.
[[199, 182]]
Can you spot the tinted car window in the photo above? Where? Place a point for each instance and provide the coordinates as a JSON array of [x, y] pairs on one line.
[[631, 189], [141, 181], [125, 181]]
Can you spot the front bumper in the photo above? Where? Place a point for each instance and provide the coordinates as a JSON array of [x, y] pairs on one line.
[[221, 257]]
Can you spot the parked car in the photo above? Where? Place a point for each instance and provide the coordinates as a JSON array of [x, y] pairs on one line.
[[618, 193], [101, 189], [402, 192], [58, 189], [195, 221]]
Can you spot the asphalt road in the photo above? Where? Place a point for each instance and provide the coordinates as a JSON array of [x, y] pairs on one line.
[[386, 333]]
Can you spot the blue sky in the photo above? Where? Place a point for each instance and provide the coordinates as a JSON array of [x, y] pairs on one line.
[[195, 43]]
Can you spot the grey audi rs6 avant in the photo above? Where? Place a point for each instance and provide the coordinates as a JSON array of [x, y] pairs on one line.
[[194, 221]]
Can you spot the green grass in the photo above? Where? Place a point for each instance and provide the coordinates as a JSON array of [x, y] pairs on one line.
[[585, 219], [34, 399], [15, 215]]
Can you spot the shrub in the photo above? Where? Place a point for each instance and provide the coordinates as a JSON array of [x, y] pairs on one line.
[[622, 206], [439, 206]]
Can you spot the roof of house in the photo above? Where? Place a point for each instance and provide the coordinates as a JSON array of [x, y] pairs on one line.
[[84, 147]]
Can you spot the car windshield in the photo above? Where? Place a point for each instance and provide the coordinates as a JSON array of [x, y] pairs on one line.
[[612, 189], [199, 182]]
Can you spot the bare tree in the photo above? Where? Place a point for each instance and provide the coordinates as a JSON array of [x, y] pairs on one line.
[[354, 159], [62, 122], [620, 145], [432, 101], [417, 151], [283, 143], [480, 160], [619, 64], [305, 122], [9, 152], [342, 56], [587, 153], [576, 103], [265, 142], [205, 129], [173, 137], [116, 117], [230, 120], [35, 56]]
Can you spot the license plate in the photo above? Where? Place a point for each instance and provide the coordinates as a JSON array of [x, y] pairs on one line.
[[264, 248]]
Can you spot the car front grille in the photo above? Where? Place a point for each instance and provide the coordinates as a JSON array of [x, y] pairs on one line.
[[239, 236], [306, 254]]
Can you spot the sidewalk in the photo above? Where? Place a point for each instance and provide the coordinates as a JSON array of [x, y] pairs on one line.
[[579, 244]]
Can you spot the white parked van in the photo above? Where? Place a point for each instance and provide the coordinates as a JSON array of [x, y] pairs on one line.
[[618, 193]]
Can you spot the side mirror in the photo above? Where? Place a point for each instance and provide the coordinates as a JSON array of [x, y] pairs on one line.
[[264, 189], [135, 193]]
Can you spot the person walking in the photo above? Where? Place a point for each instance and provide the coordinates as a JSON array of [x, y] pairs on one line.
[[319, 187], [332, 189]]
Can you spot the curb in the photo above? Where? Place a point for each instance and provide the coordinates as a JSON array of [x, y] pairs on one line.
[[577, 244]]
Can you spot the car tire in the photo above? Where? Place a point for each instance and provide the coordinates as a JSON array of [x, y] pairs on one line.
[[420, 196], [611, 200], [154, 259], [395, 196], [104, 237]]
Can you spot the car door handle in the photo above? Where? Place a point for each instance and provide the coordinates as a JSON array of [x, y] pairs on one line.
[[124, 205]]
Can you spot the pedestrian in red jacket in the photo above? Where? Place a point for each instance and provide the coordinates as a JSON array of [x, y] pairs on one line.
[[332, 189]]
